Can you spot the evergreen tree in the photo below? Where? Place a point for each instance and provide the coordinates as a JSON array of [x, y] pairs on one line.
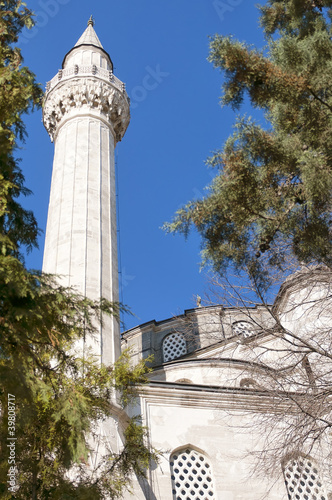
[[271, 197], [19, 93], [50, 399]]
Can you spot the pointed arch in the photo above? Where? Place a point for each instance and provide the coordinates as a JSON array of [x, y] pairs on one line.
[[302, 478], [184, 381], [191, 474]]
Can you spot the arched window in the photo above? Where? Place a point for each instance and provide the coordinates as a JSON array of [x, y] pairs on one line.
[[174, 346], [243, 328], [303, 481], [184, 381], [248, 382], [191, 475]]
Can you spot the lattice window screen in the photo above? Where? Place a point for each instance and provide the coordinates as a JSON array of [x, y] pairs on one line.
[[191, 476], [243, 328], [303, 481], [174, 345]]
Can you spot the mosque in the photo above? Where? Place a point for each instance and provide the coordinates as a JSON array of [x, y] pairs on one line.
[[215, 369]]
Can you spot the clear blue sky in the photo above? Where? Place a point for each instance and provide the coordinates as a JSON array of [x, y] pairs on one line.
[[176, 123]]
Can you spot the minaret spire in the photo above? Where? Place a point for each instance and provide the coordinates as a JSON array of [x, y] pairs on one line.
[[89, 36], [86, 112]]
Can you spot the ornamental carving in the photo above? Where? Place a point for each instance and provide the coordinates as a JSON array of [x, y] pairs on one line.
[[93, 95]]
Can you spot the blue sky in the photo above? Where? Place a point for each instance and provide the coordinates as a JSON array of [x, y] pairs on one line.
[[174, 127]]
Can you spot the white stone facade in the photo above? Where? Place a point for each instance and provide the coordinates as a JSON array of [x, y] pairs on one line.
[[205, 400]]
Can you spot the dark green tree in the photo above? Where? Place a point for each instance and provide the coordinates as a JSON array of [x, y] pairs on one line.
[[19, 93], [271, 196], [50, 398]]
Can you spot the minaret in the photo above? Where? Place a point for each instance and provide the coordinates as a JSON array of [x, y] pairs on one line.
[[86, 112]]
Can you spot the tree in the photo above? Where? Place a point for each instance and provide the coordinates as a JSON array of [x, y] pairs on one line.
[[19, 93], [51, 400], [272, 193]]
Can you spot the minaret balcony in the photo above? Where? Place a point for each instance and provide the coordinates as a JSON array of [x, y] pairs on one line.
[[93, 70]]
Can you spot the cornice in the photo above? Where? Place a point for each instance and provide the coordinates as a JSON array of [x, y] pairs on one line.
[[213, 398], [212, 363], [190, 314]]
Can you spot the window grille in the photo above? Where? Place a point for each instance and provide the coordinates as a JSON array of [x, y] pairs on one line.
[[303, 481], [191, 476], [243, 328], [174, 346]]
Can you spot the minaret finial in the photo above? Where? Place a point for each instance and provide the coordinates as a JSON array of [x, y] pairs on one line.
[[91, 21]]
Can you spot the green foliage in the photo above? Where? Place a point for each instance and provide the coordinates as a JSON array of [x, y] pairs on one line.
[[271, 197], [18, 89], [19, 93], [128, 377], [56, 419], [60, 398]]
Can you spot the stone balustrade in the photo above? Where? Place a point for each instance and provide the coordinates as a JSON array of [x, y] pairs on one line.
[[93, 70]]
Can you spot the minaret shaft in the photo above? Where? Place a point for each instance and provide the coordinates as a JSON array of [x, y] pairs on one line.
[[82, 223], [81, 235]]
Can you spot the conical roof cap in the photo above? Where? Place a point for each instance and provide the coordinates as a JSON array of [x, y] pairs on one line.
[[89, 37]]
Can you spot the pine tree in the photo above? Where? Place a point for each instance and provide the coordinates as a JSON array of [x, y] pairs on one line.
[[50, 399], [271, 197]]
